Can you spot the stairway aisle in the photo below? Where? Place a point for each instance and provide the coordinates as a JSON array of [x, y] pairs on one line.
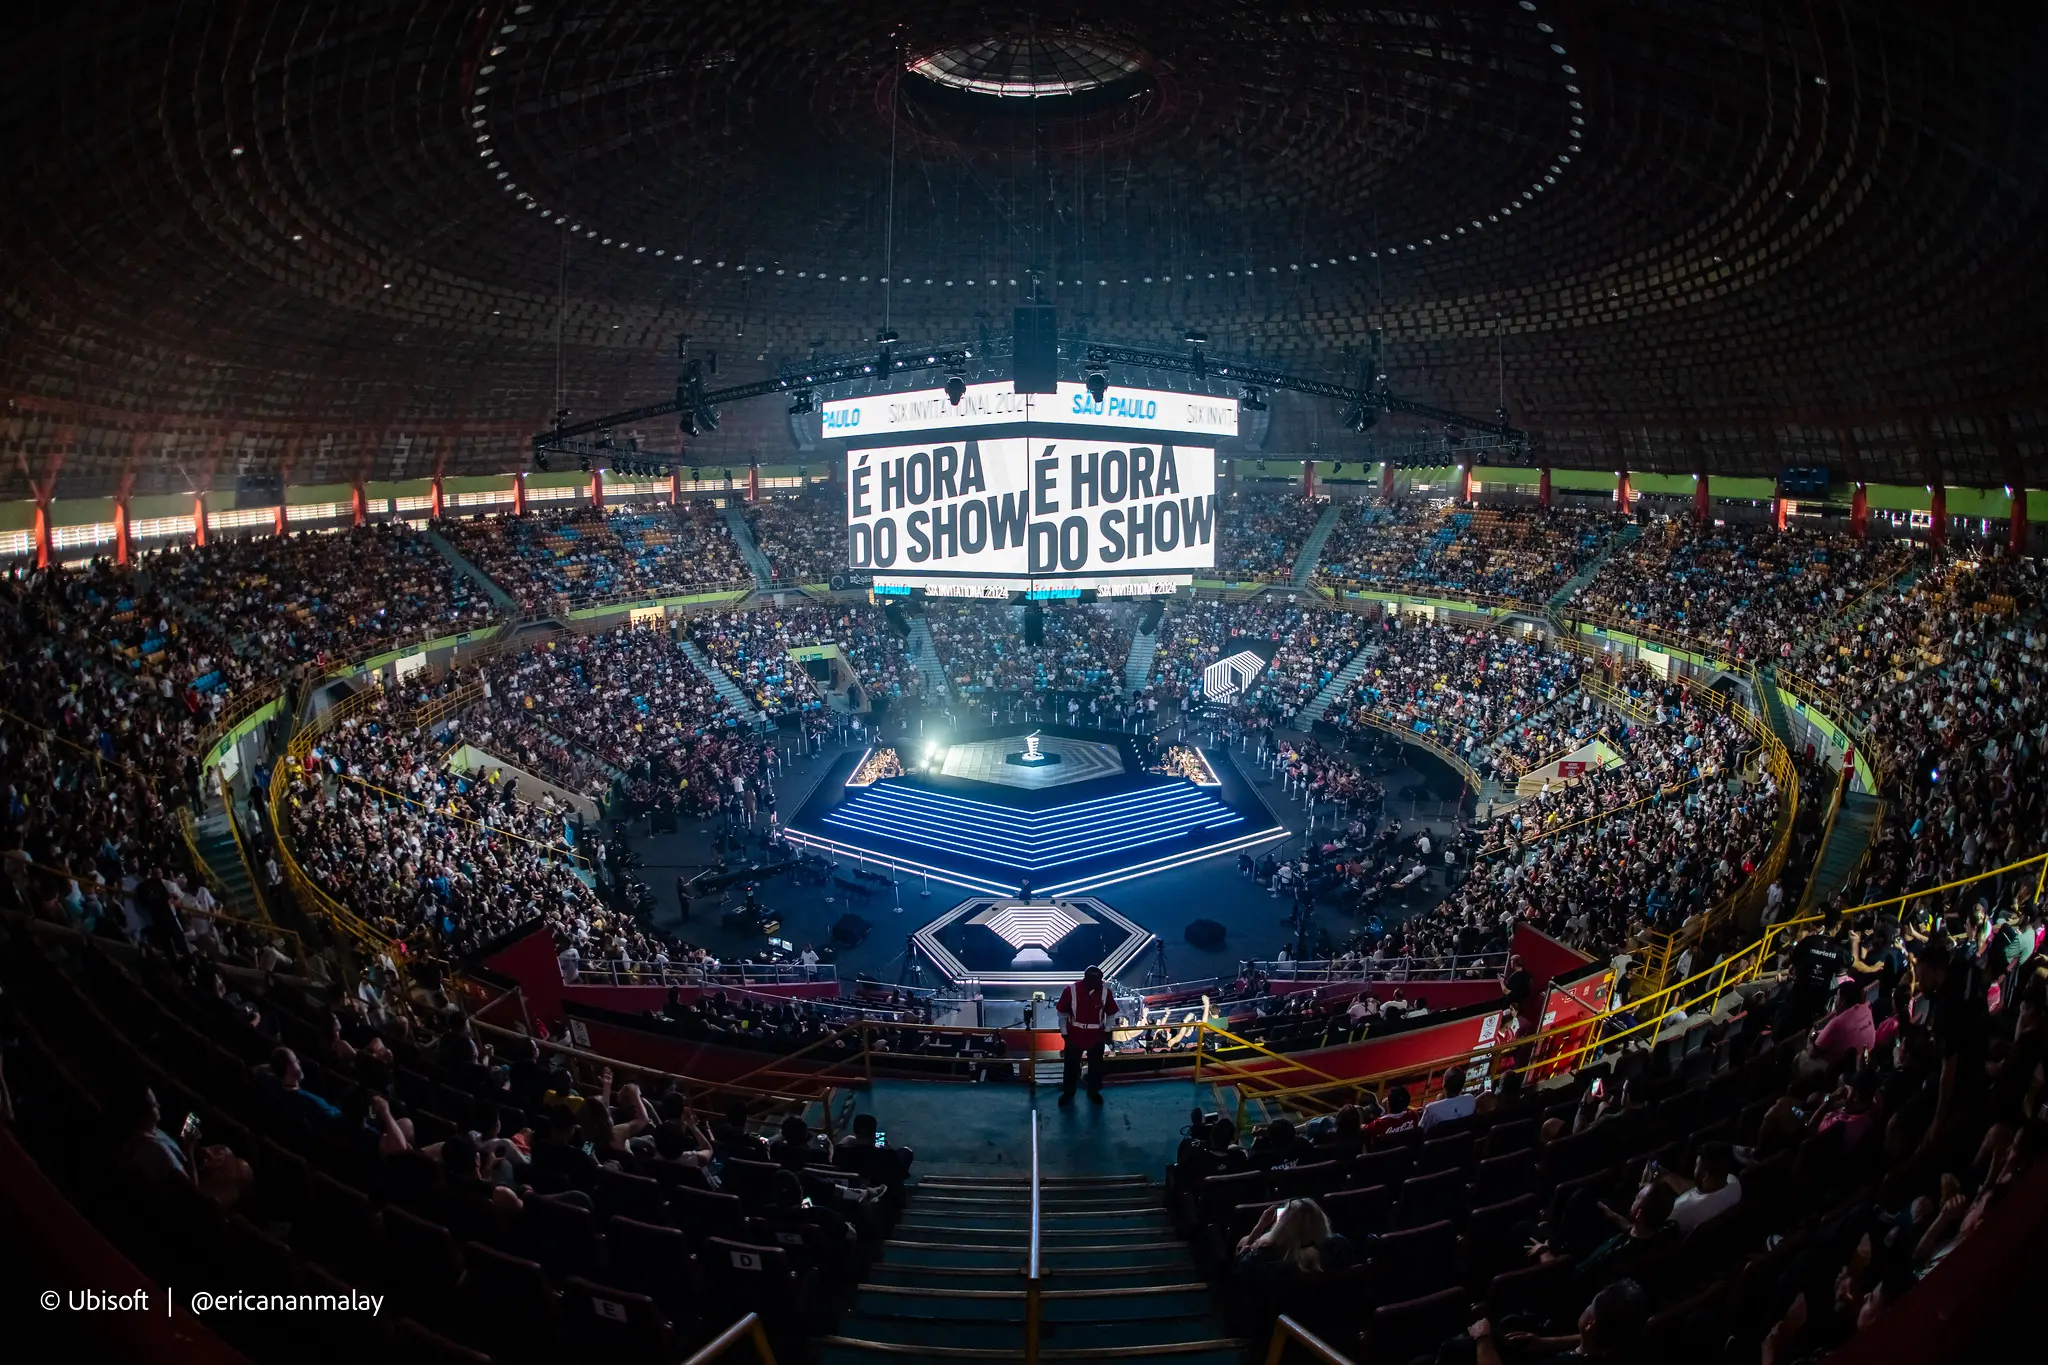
[[1593, 566], [1332, 691], [743, 536], [1138, 663], [1312, 549], [216, 844], [462, 565], [950, 1281], [1774, 709], [1855, 826], [728, 691], [924, 654]]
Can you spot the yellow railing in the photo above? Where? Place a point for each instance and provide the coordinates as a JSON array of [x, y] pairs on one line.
[[288, 941], [1423, 742], [240, 707], [1843, 715], [227, 803], [748, 1329], [1653, 1011]]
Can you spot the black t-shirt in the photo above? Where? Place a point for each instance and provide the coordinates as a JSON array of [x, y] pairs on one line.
[[1817, 960]]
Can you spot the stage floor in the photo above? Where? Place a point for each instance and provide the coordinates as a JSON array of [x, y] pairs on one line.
[[967, 813]]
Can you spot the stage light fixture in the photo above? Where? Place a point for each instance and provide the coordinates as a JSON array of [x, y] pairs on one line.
[[956, 389], [1362, 417], [801, 402], [1098, 385], [540, 458], [1253, 400]]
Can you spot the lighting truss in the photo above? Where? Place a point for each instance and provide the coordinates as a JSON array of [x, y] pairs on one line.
[[874, 371]]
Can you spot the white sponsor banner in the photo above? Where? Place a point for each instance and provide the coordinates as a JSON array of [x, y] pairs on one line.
[[885, 416], [1031, 508]]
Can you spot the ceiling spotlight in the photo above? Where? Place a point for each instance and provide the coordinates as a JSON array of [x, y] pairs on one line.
[[584, 464], [1253, 400], [1193, 337], [956, 389], [1098, 385], [886, 335]]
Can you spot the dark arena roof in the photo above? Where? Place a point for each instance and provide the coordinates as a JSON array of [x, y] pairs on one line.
[[384, 240]]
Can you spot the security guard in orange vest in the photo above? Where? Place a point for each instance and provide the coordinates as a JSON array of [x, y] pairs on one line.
[[1086, 1010]]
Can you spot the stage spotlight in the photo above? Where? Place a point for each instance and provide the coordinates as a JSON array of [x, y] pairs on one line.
[[540, 458], [688, 422], [801, 402], [1195, 337], [1337, 468], [956, 389], [1098, 385], [886, 335], [1362, 417], [1253, 400]]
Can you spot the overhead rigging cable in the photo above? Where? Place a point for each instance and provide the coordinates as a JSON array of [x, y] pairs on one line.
[[889, 214]]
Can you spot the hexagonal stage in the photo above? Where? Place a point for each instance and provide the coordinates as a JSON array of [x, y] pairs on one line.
[[1039, 944], [971, 810]]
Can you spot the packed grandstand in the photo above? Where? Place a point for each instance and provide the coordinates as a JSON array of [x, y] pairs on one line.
[[1802, 1114]]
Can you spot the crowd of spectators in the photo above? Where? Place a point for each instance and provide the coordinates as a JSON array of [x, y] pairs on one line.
[[628, 698], [441, 861], [753, 647], [1750, 592], [1945, 677], [317, 595], [1408, 547], [1468, 688], [983, 651], [1262, 534], [546, 559], [804, 537], [1765, 1183], [1668, 841], [99, 751]]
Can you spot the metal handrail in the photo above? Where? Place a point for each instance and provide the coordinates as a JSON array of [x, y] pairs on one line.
[[1032, 1272], [748, 1328], [227, 802], [1654, 1011], [1287, 1329]]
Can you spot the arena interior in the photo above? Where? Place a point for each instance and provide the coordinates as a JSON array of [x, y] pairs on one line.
[[608, 605]]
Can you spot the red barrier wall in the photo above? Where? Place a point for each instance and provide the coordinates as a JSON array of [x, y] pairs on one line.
[[1544, 956], [531, 962]]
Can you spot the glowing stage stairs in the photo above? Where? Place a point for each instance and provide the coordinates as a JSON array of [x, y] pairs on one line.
[[1034, 841], [1312, 548], [1117, 1282]]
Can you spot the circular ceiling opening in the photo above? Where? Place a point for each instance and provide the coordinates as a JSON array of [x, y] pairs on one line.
[[1029, 67]]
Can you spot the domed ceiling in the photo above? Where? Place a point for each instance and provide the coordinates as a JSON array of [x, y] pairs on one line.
[[385, 239]]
